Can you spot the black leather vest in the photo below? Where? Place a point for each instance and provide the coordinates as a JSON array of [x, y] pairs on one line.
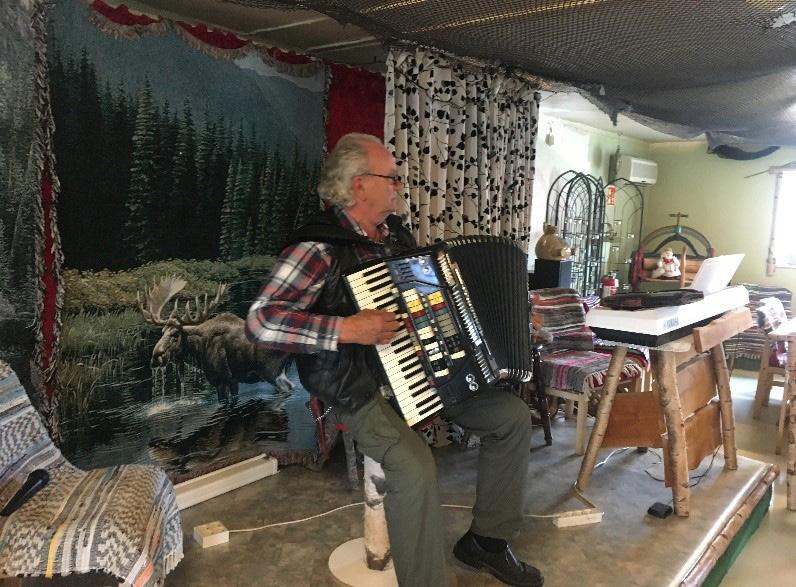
[[349, 377]]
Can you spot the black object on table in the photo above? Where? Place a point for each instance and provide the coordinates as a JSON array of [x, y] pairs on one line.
[[655, 299]]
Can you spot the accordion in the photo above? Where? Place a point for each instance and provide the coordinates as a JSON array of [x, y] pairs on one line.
[[463, 304]]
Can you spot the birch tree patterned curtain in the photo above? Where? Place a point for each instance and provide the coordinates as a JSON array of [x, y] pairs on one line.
[[464, 139]]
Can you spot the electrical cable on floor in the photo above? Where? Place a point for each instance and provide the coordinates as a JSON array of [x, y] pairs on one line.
[[342, 507], [349, 505], [612, 453], [698, 477], [577, 492]]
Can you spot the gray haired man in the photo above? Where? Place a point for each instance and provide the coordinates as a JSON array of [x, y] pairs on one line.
[[304, 309]]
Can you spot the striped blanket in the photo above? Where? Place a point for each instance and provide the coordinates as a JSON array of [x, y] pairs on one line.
[[571, 361], [585, 371], [559, 311], [743, 350], [122, 520]]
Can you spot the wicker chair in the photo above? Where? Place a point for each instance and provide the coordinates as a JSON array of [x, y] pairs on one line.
[[571, 368], [122, 521]]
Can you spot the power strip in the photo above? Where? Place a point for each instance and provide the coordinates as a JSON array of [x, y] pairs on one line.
[[578, 518]]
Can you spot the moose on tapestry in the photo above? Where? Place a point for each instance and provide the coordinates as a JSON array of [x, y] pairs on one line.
[[181, 176]]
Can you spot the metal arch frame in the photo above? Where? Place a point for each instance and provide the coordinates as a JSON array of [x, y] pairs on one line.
[[562, 199], [681, 237]]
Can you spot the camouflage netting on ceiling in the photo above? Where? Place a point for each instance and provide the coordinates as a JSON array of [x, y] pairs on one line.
[[725, 67]]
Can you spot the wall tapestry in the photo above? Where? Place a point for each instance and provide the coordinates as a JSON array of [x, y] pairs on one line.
[[24, 140], [182, 169]]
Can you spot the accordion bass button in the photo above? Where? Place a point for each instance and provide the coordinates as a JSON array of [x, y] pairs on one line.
[[470, 378], [473, 386]]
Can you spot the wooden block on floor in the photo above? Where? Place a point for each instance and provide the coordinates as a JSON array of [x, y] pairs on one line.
[[211, 534]]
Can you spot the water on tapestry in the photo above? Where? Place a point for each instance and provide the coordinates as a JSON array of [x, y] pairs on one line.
[[19, 191], [181, 176]]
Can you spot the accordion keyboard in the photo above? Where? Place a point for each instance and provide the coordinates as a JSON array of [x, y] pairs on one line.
[[417, 399], [464, 309]]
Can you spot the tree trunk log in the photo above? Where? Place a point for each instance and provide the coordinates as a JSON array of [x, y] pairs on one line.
[[710, 556], [727, 416], [377, 541], [666, 376], [603, 414], [351, 460], [790, 432]]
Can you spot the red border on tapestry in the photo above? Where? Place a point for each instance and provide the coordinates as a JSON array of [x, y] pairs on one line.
[[217, 38]]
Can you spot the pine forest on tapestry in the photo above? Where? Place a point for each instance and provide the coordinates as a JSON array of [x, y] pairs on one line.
[[19, 190], [176, 166]]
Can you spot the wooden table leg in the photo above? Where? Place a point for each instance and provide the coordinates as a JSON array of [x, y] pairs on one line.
[[789, 393], [665, 365], [725, 398], [603, 413]]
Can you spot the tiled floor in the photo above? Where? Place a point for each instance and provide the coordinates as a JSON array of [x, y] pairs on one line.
[[622, 550], [767, 559]]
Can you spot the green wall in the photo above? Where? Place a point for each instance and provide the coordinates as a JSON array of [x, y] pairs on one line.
[[733, 211]]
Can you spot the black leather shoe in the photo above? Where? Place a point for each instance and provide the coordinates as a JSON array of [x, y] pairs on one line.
[[503, 565]]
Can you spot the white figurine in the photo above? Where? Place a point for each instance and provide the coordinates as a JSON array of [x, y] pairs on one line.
[[668, 265]]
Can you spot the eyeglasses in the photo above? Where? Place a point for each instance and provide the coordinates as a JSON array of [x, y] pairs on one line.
[[393, 179]]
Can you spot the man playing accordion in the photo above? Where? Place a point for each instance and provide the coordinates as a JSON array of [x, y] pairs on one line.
[[304, 309]]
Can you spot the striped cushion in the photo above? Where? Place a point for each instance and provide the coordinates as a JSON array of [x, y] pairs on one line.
[[560, 312], [119, 520], [585, 371]]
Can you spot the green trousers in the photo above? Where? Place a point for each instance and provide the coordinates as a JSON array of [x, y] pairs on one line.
[[412, 506]]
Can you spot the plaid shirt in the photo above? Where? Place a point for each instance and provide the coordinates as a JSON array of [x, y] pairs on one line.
[[278, 318]]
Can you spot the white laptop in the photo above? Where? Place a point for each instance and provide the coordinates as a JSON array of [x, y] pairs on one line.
[[716, 272]]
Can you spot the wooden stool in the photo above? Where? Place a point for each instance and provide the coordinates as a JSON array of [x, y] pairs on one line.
[[790, 393], [681, 415], [769, 375], [772, 317]]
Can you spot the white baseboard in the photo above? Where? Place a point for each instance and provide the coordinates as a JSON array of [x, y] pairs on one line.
[[214, 484]]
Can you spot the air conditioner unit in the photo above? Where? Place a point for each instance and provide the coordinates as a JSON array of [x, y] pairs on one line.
[[637, 170]]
